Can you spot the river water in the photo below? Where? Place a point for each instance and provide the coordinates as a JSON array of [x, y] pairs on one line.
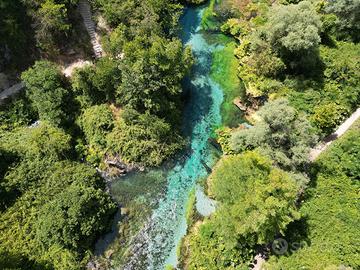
[[155, 245]]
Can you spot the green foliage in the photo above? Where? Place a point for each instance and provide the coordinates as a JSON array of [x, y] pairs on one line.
[[106, 77], [56, 219], [42, 141], [17, 113], [223, 136], [344, 155], [152, 74], [338, 88], [331, 211], [51, 20], [262, 197], [280, 133], [256, 201], [294, 27], [115, 42], [232, 26], [294, 32], [96, 122], [143, 18], [73, 217], [15, 261], [258, 65], [143, 138], [259, 58], [45, 88], [348, 17], [95, 84], [211, 252], [328, 116]]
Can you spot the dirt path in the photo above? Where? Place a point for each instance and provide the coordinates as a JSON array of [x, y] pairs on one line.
[[11, 91], [67, 70], [315, 152]]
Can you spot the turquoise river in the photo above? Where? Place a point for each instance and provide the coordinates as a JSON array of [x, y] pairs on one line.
[[154, 246]]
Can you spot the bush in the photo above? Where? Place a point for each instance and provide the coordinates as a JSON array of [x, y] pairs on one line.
[[280, 133], [143, 139], [45, 88], [255, 202]]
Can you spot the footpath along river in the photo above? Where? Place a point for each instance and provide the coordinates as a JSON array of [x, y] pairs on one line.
[[155, 245]]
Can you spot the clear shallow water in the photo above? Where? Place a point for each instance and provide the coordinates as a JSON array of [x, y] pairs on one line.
[[155, 245]]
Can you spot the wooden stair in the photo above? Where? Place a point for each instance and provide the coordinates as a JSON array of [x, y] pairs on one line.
[[85, 11]]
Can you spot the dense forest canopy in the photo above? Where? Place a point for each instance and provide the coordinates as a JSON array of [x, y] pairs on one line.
[[293, 65], [126, 106]]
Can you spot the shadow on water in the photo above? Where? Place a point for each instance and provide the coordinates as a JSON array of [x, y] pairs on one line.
[[103, 243]]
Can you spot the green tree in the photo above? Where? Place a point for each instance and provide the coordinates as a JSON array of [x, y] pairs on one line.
[[294, 27], [42, 141], [250, 190], [96, 122], [16, 113], [143, 138], [74, 194], [51, 25], [327, 116], [348, 14], [74, 217], [107, 77], [151, 77], [95, 84], [255, 203], [280, 133], [294, 32], [143, 18], [45, 88]]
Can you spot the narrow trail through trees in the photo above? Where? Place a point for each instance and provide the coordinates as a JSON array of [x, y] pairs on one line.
[[66, 70], [321, 147], [85, 11]]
